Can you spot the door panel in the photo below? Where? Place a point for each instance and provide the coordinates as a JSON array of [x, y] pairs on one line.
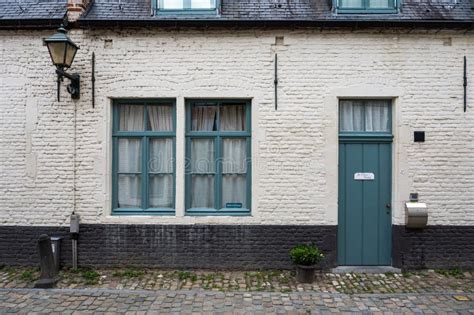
[[364, 220]]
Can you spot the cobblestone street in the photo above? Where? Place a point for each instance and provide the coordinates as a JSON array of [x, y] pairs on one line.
[[245, 281], [139, 291], [101, 301]]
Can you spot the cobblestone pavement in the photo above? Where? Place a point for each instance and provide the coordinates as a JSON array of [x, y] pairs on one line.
[[239, 281], [103, 301]]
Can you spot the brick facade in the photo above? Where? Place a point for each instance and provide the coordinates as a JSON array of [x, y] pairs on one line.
[[228, 246], [172, 246], [55, 156], [433, 247]]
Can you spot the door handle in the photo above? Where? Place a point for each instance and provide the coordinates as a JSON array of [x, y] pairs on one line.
[[388, 206]]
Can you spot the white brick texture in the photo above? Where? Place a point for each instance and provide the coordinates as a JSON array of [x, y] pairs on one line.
[[49, 168]]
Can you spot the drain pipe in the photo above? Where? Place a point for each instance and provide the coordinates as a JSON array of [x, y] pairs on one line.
[[74, 230]]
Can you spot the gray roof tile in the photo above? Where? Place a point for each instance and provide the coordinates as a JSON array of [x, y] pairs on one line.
[[18, 10], [287, 10]]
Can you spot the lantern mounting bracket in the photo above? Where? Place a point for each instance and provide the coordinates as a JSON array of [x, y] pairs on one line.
[[74, 88]]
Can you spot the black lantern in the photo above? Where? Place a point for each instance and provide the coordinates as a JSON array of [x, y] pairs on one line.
[[62, 51]]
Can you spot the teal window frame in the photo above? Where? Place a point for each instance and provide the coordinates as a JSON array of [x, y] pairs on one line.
[[218, 137], [366, 136], [366, 9], [186, 9], [145, 136]]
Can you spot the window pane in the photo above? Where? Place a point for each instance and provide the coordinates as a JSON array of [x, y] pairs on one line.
[[129, 191], [131, 118], [351, 116], [204, 118], [161, 157], [203, 4], [129, 155], [351, 3], [202, 156], [233, 118], [377, 116], [172, 4], [160, 118], [380, 4], [234, 191], [161, 191], [202, 191], [234, 156]]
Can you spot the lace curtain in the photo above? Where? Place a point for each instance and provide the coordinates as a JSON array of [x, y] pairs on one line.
[[160, 162], [203, 167], [372, 4], [372, 115]]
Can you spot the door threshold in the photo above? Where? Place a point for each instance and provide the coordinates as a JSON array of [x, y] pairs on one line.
[[365, 269]]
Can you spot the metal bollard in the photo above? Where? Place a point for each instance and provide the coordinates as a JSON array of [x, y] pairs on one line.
[[48, 277]]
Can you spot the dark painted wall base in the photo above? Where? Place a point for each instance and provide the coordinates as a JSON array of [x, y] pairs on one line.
[[172, 246], [433, 247], [228, 246]]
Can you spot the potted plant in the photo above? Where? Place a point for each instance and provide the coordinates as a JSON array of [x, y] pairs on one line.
[[307, 258]]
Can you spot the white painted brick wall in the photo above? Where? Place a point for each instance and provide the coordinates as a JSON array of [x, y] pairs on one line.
[[294, 148]]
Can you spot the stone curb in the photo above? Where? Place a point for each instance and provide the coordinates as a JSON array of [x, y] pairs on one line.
[[207, 292]]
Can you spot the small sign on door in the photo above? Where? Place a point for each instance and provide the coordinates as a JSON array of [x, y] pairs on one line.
[[364, 176]]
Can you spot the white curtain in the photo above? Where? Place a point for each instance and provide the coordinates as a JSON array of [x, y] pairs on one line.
[[234, 169], [363, 116], [129, 184], [233, 118], [131, 118], [160, 118], [379, 4], [351, 3], [377, 116], [203, 118], [203, 170], [171, 4], [160, 167], [160, 160], [203, 4], [351, 116]]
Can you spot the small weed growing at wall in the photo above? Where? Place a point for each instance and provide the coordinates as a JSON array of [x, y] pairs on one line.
[[183, 275], [389, 274], [90, 276], [128, 273], [28, 275], [456, 272]]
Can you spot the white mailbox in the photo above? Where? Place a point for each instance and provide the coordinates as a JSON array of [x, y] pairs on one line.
[[416, 215]]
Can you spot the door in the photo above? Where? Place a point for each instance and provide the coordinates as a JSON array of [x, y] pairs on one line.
[[365, 159]]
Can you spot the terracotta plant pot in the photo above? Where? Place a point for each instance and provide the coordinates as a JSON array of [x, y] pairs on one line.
[[305, 274]]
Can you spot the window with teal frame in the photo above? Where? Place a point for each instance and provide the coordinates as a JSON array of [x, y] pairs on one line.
[[366, 6], [143, 162], [218, 157], [365, 119], [186, 6]]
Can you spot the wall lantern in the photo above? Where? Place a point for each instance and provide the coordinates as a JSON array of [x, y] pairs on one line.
[[62, 51]]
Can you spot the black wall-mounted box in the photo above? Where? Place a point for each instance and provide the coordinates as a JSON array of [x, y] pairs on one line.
[[419, 136]]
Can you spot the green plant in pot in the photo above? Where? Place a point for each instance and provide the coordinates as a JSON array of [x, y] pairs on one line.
[[307, 258]]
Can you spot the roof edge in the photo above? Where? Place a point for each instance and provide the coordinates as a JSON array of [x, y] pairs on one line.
[[459, 24], [30, 23]]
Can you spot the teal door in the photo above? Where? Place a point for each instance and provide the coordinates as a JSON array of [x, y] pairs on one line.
[[365, 159]]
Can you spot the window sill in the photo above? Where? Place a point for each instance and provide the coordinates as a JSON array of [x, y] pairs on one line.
[[215, 212], [164, 211]]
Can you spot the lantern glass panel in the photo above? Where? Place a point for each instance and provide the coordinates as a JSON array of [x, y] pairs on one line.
[[57, 50], [70, 53]]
